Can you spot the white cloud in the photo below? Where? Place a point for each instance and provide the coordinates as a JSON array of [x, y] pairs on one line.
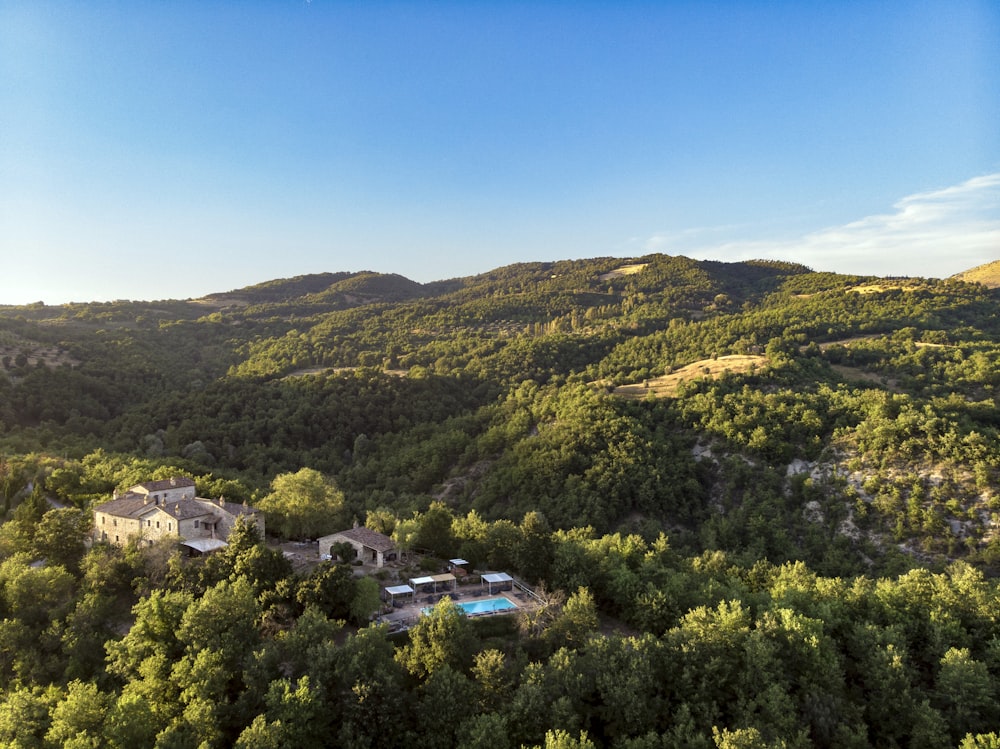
[[936, 233]]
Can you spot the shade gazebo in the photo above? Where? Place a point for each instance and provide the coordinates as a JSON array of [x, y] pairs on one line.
[[498, 578], [204, 545], [433, 581], [398, 590]]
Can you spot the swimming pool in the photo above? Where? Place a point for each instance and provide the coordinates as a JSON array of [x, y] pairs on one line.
[[489, 606]]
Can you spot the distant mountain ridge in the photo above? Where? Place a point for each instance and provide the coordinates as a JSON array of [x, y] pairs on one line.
[[373, 287], [278, 290], [988, 275], [350, 289], [358, 287], [362, 287]]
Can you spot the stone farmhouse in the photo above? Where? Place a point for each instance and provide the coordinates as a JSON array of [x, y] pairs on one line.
[[370, 546], [156, 509]]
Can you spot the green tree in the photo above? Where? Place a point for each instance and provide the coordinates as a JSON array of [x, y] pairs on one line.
[[130, 722], [366, 600], [980, 741], [262, 734], [535, 550], [61, 535], [14, 477], [296, 717], [78, 719], [143, 660], [109, 570], [304, 504], [434, 532], [381, 520], [153, 636], [965, 694], [741, 738], [91, 623], [330, 588], [16, 535], [220, 636], [247, 556], [26, 714], [35, 595], [503, 540], [441, 705], [484, 731], [494, 683], [575, 621], [442, 637], [559, 739], [369, 696]]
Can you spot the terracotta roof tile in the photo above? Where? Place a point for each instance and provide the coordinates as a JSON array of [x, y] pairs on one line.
[[127, 506], [134, 505], [165, 484], [370, 538]]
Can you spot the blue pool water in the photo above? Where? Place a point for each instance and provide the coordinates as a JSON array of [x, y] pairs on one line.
[[482, 607]]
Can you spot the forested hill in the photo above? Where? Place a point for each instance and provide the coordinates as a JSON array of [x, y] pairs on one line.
[[756, 407], [758, 504]]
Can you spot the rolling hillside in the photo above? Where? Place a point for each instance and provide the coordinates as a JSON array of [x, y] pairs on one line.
[[988, 275], [757, 505], [603, 371]]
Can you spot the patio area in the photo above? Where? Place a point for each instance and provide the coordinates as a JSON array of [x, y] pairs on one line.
[[407, 602]]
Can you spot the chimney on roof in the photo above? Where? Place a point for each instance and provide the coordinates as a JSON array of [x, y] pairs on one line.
[[173, 481], [222, 501]]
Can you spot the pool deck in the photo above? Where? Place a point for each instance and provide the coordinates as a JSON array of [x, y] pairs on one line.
[[403, 616]]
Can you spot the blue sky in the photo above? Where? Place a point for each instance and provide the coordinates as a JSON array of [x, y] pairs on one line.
[[169, 150]]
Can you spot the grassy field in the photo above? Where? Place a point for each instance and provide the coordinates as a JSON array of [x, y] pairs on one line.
[[625, 270], [666, 386], [988, 275]]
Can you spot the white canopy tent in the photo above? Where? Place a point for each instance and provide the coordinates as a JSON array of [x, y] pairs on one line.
[[204, 545], [498, 578], [397, 590], [447, 580], [418, 582]]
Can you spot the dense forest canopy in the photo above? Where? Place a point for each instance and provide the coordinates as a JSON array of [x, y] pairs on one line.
[[831, 504]]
